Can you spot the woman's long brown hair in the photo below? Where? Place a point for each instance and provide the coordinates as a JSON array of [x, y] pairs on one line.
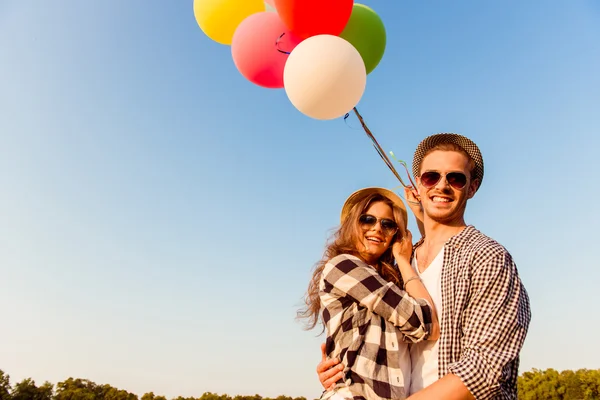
[[343, 241]]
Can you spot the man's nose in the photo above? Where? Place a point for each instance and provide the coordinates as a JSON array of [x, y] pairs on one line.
[[442, 183]]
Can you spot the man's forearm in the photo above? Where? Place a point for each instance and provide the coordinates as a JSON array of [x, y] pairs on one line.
[[450, 387]]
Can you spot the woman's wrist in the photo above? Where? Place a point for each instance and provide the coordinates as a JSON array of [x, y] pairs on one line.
[[410, 279], [404, 266], [402, 260]]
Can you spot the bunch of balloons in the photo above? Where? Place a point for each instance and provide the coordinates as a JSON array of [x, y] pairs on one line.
[[319, 51]]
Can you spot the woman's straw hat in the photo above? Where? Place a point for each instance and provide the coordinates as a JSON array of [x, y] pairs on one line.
[[359, 195]]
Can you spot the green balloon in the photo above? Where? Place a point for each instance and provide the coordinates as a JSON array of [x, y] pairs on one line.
[[366, 32]]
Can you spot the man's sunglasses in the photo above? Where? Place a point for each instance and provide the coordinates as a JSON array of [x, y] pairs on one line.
[[388, 226], [457, 180]]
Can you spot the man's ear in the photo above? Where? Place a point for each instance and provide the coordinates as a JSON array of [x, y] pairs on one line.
[[416, 190], [473, 186]]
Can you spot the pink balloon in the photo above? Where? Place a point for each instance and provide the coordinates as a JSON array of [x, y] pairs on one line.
[[259, 49]]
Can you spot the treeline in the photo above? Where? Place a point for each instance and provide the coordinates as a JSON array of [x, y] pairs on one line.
[[83, 389], [583, 384], [549, 384]]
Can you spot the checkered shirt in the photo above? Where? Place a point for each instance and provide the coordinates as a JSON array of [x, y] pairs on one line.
[[485, 315], [367, 320]]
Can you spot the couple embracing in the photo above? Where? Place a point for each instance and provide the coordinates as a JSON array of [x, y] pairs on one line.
[[444, 319]]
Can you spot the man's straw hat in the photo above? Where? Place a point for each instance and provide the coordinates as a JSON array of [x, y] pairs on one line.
[[463, 142]]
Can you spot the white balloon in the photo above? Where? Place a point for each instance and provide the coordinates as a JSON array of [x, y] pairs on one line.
[[324, 77]]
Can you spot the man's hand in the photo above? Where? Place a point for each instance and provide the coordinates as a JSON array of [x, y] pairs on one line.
[[414, 203], [330, 371]]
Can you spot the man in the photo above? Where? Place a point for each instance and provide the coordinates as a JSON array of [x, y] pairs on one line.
[[484, 308]]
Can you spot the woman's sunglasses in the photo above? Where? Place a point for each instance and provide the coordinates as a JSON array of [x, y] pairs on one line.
[[388, 226], [457, 180]]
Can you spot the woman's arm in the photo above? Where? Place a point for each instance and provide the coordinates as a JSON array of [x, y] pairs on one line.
[[402, 251], [415, 288], [348, 276]]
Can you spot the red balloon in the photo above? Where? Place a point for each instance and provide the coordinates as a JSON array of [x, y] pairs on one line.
[[308, 18], [260, 47]]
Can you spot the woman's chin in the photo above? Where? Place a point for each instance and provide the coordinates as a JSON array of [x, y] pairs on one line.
[[371, 255]]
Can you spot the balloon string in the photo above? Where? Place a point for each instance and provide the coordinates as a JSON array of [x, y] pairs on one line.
[[277, 44], [380, 151], [405, 168]]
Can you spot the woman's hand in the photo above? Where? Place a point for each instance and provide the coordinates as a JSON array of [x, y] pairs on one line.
[[402, 249]]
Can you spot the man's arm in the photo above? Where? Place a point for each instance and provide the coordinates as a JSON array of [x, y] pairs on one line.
[[450, 387], [329, 371], [495, 323], [414, 204]]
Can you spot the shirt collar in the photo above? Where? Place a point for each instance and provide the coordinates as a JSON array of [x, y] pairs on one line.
[[458, 238]]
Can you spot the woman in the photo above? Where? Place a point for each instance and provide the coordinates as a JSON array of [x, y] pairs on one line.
[[370, 308]]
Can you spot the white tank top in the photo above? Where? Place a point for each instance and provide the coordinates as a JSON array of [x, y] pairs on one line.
[[424, 355]]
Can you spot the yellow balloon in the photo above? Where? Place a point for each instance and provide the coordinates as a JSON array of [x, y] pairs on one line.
[[219, 19]]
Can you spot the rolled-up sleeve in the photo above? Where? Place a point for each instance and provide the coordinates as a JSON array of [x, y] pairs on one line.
[[348, 276], [495, 323]]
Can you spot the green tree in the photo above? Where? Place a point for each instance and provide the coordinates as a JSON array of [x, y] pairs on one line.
[[539, 385], [214, 396], [152, 396], [590, 383], [78, 389], [571, 383], [4, 386], [118, 394], [28, 390], [567, 385], [46, 391]]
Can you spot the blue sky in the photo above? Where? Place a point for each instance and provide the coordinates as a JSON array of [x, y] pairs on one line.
[[161, 215]]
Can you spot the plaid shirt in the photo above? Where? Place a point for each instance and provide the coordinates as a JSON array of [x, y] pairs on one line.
[[485, 315], [368, 320]]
